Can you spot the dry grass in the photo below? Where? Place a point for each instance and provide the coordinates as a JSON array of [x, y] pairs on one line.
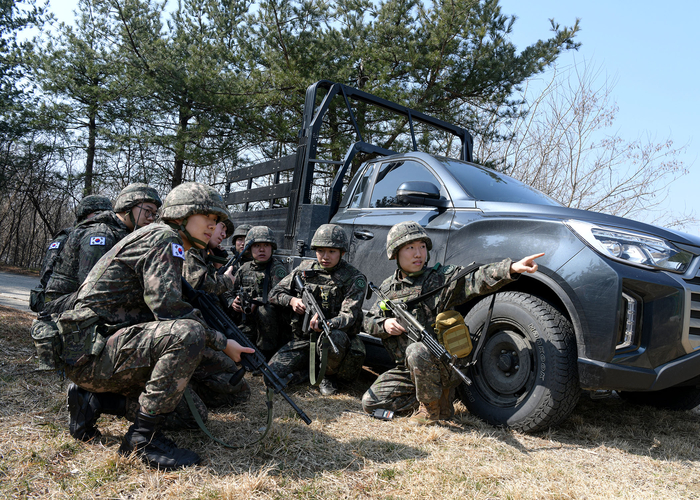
[[5, 268], [606, 449]]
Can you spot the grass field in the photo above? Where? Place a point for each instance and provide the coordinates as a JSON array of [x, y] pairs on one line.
[[606, 449]]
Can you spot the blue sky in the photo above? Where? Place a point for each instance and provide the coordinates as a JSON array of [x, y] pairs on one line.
[[649, 49]]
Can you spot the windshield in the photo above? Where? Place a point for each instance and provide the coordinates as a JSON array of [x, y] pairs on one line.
[[484, 184]]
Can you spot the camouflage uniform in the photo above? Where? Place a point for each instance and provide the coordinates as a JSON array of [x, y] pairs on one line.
[[87, 243], [241, 231], [52, 253], [419, 376], [264, 326], [340, 292], [200, 272], [137, 280]]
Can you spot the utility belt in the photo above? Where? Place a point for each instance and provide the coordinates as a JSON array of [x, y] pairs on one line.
[[71, 339]]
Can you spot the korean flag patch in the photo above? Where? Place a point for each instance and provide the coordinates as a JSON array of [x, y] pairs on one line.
[[97, 240], [54, 245], [178, 251]]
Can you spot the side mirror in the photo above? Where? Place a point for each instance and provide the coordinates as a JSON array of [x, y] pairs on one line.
[[420, 193]]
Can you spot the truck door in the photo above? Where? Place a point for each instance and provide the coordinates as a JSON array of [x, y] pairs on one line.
[[374, 208]]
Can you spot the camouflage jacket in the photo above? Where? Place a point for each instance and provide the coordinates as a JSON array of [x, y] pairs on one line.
[[250, 279], [201, 273], [140, 280], [486, 279], [339, 291], [88, 241], [52, 253]]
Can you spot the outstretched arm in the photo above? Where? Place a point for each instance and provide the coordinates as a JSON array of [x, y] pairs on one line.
[[526, 264]]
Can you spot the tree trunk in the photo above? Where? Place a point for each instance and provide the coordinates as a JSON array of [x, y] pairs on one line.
[[181, 144], [89, 163]]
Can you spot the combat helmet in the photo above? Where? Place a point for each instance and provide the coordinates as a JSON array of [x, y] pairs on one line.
[[330, 236], [405, 232], [261, 234], [192, 198], [90, 204], [241, 230], [229, 227], [136, 193]]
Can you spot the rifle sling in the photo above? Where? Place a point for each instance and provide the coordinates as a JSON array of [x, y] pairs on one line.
[[325, 347], [467, 270], [203, 427]]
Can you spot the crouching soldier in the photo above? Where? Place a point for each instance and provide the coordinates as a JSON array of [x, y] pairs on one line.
[[252, 283], [339, 289], [132, 335], [420, 380]]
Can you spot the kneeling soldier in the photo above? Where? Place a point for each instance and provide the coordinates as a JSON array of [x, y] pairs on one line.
[[339, 289], [252, 284], [420, 379], [131, 334]]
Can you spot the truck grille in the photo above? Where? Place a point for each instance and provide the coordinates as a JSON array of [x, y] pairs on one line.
[[694, 323]]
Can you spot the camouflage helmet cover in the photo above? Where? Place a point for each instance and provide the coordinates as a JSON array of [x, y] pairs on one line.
[[136, 193], [193, 198], [330, 236], [405, 232], [261, 234], [241, 230], [90, 204], [229, 227]]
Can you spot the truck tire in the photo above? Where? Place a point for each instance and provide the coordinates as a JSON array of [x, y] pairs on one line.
[[673, 398], [526, 375]]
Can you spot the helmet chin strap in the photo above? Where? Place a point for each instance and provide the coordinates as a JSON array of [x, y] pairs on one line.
[[132, 219], [197, 243]]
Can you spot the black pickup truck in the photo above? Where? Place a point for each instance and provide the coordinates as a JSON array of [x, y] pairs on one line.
[[615, 304]]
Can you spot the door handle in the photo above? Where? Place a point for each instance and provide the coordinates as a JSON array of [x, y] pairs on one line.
[[363, 235]]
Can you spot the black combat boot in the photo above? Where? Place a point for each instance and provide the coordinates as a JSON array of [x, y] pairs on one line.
[[153, 447], [85, 407]]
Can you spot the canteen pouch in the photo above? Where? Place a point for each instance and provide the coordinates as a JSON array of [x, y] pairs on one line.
[[37, 299], [79, 336], [453, 333], [46, 339]]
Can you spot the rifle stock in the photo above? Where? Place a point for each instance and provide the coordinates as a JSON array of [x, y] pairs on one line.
[[218, 320]]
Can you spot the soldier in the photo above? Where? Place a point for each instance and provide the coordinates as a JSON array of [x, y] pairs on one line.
[[239, 244], [87, 207], [420, 379], [88, 241], [131, 334], [251, 287], [339, 289], [200, 270], [137, 205]]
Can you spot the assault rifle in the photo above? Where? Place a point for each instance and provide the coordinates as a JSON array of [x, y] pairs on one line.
[[312, 308], [217, 319], [247, 303], [233, 260], [418, 333]]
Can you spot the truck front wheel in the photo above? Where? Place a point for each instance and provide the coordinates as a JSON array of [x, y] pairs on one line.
[[525, 377]]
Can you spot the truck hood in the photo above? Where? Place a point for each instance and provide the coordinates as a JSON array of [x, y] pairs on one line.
[[500, 209]]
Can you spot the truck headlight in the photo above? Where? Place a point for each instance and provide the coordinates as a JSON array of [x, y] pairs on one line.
[[630, 247]]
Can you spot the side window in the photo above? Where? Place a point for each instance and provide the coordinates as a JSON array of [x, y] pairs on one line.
[[362, 186], [391, 175]]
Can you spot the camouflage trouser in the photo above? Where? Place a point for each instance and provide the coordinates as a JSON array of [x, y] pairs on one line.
[[152, 361], [56, 304], [402, 388], [265, 329], [346, 365], [212, 380]]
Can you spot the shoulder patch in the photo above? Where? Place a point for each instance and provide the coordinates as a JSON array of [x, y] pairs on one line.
[[98, 241], [178, 251], [280, 272], [447, 269], [360, 283], [54, 245]]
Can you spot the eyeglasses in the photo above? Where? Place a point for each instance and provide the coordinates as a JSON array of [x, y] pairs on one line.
[[147, 212]]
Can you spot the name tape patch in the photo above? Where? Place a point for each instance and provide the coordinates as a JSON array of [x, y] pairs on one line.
[[178, 251]]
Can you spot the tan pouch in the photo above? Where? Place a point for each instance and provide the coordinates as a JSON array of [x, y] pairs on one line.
[[79, 336], [453, 333]]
